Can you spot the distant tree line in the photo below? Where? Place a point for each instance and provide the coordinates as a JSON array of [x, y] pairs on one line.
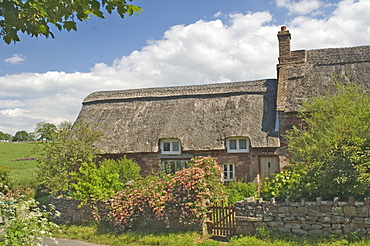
[[44, 131]]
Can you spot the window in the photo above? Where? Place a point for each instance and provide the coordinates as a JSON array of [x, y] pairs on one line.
[[172, 166], [234, 145], [170, 146], [229, 172]]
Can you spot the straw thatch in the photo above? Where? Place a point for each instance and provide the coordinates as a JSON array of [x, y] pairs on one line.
[[316, 75], [200, 116]]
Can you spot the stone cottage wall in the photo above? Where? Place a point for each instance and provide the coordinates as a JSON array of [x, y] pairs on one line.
[[305, 217]]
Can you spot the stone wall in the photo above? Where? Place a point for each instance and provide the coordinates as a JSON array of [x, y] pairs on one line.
[[304, 217], [71, 213]]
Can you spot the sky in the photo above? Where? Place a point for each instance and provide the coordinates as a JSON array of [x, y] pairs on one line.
[[173, 43]]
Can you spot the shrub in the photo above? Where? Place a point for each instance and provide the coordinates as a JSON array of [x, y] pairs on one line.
[[4, 176], [23, 222], [96, 182], [70, 148], [330, 153], [286, 184], [238, 191], [187, 192]]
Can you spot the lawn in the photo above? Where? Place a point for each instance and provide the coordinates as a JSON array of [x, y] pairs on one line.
[[104, 236], [23, 171]]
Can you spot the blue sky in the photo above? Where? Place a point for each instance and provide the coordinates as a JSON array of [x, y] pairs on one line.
[[174, 42]]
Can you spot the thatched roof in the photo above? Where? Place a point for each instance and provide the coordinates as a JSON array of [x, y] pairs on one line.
[[201, 116], [315, 75]]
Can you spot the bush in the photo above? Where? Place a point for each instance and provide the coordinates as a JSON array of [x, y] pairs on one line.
[[5, 175], [286, 184], [23, 222], [70, 148], [330, 153], [238, 191], [187, 192], [96, 182]]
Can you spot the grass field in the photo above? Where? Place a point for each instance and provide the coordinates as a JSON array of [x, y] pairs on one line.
[[103, 236], [23, 172]]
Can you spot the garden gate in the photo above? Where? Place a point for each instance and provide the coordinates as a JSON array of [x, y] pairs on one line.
[[221, 220]]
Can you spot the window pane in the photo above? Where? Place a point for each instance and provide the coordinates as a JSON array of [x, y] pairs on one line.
[[231, 175], [175, 146], [242, 143], [173, 166], [166, 146], [232, 144]]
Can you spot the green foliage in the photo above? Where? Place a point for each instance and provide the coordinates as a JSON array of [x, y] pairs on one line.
[[5, 174], [23, 222], [5, 136], [65, 155], [238, 191], [100, 182], [332, 151], [286, 184], [35, 17], [187, 192], [45, 131], [21, 136]]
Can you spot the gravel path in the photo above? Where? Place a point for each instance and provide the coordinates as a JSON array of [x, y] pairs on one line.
[[69, 242]]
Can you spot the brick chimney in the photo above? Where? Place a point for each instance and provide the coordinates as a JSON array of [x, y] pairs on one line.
[[284, 44]]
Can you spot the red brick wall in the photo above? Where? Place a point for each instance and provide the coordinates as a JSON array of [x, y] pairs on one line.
[[246, 164]]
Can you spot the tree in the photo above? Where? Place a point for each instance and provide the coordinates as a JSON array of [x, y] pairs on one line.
[[21, 136], [65, 155], [45, 131], [5, 136], [330, 154], [100, 181], [65, 125], [34, 17]]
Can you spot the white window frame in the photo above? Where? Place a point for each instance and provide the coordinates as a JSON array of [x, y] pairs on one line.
[[228, 170], [172, 166], [237, 148], [172, 143]]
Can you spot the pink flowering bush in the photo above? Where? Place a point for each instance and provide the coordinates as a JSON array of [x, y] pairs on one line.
[[185, 194]]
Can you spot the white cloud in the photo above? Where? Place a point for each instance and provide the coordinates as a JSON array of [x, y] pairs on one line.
[[13, 113], [11, 103], [203, 52], [15, 59], [302, 7]]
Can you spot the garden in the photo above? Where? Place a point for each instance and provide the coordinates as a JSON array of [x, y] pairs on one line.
[[329, 157]]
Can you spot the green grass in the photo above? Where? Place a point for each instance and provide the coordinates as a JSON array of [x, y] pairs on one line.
[[101, 235], [23, 172]]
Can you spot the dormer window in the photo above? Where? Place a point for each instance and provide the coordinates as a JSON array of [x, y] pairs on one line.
[[170, 146], [237, 145]]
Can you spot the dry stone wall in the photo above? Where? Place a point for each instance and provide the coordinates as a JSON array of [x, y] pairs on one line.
[[72, 213], [304, 217]]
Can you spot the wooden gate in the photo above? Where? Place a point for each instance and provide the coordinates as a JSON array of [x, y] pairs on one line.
[[221, 220]]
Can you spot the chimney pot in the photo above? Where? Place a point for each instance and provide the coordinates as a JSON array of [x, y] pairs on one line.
[[283, 28]]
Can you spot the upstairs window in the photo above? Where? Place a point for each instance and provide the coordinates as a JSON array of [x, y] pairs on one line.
[[237, 145], [170, 146]]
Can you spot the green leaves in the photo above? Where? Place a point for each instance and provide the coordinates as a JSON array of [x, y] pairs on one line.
[[69, 25], [185, 195], [70, 148], [333, 147], [35, 17], [100, 182]]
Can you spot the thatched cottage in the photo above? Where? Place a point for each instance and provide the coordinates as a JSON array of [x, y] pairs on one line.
[[240, 123]]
